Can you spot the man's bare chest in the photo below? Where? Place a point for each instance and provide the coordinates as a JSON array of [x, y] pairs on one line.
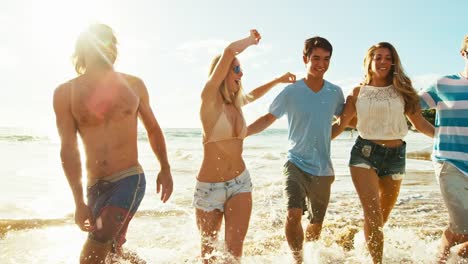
[[98, 106]]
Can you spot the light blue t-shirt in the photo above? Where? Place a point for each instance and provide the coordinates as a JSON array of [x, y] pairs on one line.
[[310, 116]]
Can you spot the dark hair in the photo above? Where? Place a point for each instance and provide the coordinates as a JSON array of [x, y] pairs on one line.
[[316, 42]]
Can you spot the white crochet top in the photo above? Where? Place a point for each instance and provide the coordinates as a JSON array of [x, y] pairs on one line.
[[381, 113]]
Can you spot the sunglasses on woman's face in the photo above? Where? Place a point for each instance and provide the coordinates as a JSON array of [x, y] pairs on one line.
[[237, 69]]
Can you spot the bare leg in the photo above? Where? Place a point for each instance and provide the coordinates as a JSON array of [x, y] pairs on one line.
[[209, 224], [237, 216], [94, 252], [389, 191], [313, 232], [295, 233], [366, 183], [126, 255], [447, 241]]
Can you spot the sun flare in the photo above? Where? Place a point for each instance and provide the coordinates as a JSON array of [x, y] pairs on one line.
[[56, 24]]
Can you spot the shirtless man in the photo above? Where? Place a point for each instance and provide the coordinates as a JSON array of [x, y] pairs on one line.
[[102, 106]]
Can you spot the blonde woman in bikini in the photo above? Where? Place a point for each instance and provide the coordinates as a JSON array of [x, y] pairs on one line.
[[223, 188]]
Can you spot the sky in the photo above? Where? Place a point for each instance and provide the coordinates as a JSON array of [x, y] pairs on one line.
[[170, 43]]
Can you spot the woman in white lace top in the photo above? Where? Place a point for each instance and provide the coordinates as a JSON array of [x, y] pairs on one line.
[[377, 162]]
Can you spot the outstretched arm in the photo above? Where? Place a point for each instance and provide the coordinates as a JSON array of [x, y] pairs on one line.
[[348, 115], [210, 91], [70, 155], [260, 124], [164, 183], [262, 90], [420, 123]]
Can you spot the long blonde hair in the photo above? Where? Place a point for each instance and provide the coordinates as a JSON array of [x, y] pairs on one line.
[[238, 99], [98, 41], [397, 77], [464, 45]]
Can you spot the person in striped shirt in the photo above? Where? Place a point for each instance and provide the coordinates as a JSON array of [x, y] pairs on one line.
[[449, 96]]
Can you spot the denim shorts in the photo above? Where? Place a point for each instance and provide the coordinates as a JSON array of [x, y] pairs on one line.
[[385, 161], [454, 188], [210, 196]]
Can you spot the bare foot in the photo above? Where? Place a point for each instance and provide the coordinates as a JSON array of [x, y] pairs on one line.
[[463, 252], [443, 255]]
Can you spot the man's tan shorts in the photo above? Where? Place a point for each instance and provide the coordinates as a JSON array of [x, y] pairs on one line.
[[301, 185], [454, 188]]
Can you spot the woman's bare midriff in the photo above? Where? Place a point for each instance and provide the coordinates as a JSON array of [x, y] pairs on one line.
[[222, 161], [393, 143]]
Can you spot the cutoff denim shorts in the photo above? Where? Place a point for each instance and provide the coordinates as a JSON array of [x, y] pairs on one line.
[[385, 161], [210, 196]]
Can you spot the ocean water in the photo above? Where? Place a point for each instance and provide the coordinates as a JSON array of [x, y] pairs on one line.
[[36, 205]]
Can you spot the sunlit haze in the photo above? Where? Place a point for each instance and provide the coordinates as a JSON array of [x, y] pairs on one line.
[[169, 44]]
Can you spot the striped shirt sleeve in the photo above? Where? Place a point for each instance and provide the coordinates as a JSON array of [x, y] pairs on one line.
[[429, 97]]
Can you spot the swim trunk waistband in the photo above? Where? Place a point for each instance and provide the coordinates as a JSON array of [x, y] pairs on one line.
[[137, 169]]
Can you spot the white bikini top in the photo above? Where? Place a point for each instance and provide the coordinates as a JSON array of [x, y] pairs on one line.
[[381, 113]]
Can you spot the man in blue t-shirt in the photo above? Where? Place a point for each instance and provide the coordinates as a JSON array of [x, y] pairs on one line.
[[310, 105], [449, 96]]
